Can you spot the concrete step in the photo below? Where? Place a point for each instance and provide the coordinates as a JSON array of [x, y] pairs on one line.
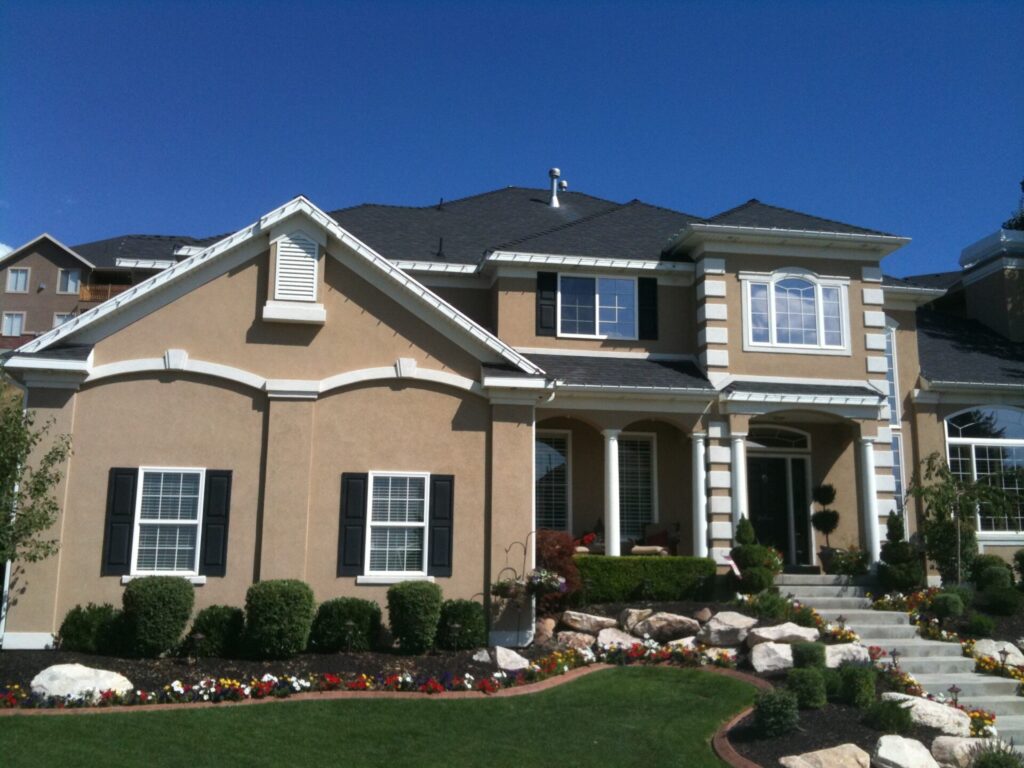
[[935, 665], [970, 685], [1001, 705], [795, 579], [842, 603], [806, 594], [1011, 727], [917, 647], [882, 633], [865, 616]]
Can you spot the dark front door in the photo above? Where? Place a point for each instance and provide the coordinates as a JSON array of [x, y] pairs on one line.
[[768, 501]]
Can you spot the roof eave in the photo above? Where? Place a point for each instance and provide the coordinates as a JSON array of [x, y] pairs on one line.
[[46, 236], [699, 233]]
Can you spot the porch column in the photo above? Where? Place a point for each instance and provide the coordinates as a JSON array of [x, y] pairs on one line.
[[700, 498], [611, 492], [870, 494], [739, 479]]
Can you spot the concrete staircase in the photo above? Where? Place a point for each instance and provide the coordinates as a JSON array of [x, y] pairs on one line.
[[936, 665]]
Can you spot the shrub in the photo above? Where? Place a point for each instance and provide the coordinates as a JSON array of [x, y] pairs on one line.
[[755, 580], [769, 605], [900, 570], [850, 562], [980, 625], [808, 685], [995, 576], [1018, 563], [833, 684], [555, 550], [90, 629], [857, 686], [992, 753], [888, 717], [947, 605], [1002, 601], [803, 616], [216, 631], [414, 610], [156, 610], [278, 617], [620, 579], [750, 556], [463, 625], [775, 713], [745, 535], [941, 547], [809, 655], [981, 563], [345, 624]]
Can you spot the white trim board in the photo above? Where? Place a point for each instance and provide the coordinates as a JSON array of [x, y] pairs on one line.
[[52, 239]]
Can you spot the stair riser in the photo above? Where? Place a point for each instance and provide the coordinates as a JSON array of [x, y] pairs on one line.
[[969, 688], [807, 594], [884, 632], [1003, 708], [917, 650], [792, 579], [854, 617], [849, 603], [936, 666]]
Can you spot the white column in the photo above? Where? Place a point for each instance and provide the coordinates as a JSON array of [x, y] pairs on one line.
[[870, 493], [739, 479], [700, 498], [611, 492]]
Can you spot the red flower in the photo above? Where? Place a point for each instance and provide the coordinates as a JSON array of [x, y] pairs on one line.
[[431, 686]]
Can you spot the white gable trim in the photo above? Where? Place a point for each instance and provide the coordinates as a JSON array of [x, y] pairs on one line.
[[17, 251], [427, 305]]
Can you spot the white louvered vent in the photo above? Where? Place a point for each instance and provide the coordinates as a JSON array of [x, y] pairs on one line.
[[296, 269]]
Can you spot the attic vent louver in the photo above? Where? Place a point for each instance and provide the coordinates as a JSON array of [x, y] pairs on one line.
[[296, 276]]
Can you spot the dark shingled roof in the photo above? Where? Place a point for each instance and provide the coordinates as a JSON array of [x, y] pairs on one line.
[[956, 349], [606, 371], [104, 253], [936, 279], [635, 230], [754, 213], [783, 388]]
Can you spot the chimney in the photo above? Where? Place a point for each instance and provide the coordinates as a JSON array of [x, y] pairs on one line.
[[556, 185]]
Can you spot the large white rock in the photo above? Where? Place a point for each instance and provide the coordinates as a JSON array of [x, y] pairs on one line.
[[483, 656], [843, 756], [846, 653], [727, 629], [78, 680], [666, 626], [992, 648], [685, 644], [630, 617], [898, 752], [771, 658], [586, 622], [782, 633], [579, 641], [544, 631], [509, 660], [954, 751], [950, 721], [614, 636]]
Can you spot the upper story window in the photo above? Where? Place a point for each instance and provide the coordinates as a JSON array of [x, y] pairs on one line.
[[597, 307], [68, 280], [13, 323], [17, 280], [795, 311]]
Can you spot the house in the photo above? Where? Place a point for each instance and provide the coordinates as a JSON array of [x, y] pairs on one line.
[[385, 393]]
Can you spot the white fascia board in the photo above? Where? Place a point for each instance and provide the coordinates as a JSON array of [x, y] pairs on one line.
[[45, 236], [436, 267], [674, 392], [978, 386], [712, 232], [906, 298], [144, 263], [801, 399], [21, 363], [589, 262], [515, 382]]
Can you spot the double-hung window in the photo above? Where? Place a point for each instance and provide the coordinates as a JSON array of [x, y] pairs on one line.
[[795, 311], [168, 515], [397, 530], [17, 280], [59, 318], [13, 323], [597, 307], [68, 280]]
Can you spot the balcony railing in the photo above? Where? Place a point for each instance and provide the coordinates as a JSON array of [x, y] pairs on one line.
[[100, 291]]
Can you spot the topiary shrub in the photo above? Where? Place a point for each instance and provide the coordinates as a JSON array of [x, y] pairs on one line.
[[809, 655], [947, 605], [825, 520], [156, 610], [90, 629], [888, 717], [278, 618], [555, 552], [745, 534], [833, 684], [1002, 601], [345, 624], [755, 580], [620, 579], [463, 625], [414, 610], [993, 753], [983, 562], [775, 713], [900, 569], [757, 564], [216, 631], [857, 685], [979, 625], [808, 685], [994, 577]]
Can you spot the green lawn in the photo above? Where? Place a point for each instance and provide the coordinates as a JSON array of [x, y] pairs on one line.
[[621, 717]]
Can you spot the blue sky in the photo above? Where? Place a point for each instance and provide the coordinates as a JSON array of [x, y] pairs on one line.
[[196, 118]]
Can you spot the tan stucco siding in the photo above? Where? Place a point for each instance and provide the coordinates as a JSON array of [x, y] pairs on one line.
[[477, 303], [517, 321], [221, 322], [44, 261]]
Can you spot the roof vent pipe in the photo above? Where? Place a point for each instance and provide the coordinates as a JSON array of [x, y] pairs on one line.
[[556, 185]]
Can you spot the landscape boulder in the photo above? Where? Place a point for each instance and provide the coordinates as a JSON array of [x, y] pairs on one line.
[[630, 617], [726, 629], [950, 721], [954, 751], [663, 627], [586, 622], [78, 680], [509, 660], [614, 636], [898, 752], [684, 644], [578, 641], [544, 632], [703, 615], [992, 648], [846, 653], [843, 756], [771, 658], [782, 633]]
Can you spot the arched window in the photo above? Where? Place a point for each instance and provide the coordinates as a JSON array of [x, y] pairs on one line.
[[987, 444], [795, 310], [779, 438]]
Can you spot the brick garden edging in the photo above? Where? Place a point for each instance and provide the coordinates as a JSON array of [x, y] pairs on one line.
[[720, 741]]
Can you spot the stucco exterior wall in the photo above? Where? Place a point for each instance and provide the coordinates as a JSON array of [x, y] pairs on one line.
[[477, 303]]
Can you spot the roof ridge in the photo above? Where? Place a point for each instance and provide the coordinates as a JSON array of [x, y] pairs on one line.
[[740, 207], [665, 208], [464, 199], [754, 200]]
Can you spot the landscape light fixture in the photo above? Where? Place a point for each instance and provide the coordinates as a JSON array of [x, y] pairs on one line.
[[954, 691], [895, 656]]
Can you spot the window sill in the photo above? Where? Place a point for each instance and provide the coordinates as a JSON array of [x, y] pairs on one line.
[[195, 580], [596, 337], [294, 312], [395, 579], [1000, 537]]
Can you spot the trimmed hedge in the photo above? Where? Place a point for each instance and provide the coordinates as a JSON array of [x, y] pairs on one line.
[[619, 579], [808, 685], [809, 655], [1002, 601], [278, 618], [775, 713], [982, 563], [463, 625], [344, 624], [90, 629], [857, 686], [414, 610], [156, 610], [888, 717], [216, 631], [948, 605]]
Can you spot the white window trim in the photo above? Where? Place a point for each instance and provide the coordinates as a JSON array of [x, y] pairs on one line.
[[896, 415], [750, 446], [66, 315], [390, 577], [60, 274], [900, 494], [567, 434], [653, 438], [28, 279], [597, 308], [138, 522], [748, 279], [3, 332]]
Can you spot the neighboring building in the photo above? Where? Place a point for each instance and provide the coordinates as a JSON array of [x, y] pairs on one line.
[[385, 393]]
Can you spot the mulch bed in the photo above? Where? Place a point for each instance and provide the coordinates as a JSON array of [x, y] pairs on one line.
[[1009, 628], [830, 726]]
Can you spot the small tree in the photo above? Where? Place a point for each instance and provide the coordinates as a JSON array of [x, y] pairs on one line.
[[27, 505], [825, 520]]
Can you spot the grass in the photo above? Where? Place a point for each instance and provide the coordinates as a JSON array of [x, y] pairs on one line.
[[621, 717]]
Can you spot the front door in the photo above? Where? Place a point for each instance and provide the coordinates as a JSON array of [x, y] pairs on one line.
[[779, 505]]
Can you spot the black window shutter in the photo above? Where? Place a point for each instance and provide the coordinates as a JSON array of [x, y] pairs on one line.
[[547, 303], [442, 519], [647, 300], [120, 523], [352, 527], [213, 559]]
